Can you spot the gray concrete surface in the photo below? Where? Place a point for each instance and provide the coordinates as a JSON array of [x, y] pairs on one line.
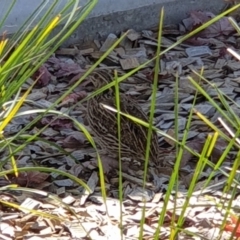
[[112, 15]]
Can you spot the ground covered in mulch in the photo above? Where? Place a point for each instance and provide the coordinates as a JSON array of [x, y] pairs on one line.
[[203, 217]]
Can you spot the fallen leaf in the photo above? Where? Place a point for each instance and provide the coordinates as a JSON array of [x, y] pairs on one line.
[[198, 18]]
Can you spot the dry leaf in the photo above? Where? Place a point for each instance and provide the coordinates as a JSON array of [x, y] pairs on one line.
[[30, 178], [221, 27]]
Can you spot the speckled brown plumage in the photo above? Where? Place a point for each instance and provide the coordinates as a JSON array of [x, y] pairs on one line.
[[103, 123]]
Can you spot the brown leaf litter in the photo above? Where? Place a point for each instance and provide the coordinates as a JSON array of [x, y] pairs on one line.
[[202, 217]]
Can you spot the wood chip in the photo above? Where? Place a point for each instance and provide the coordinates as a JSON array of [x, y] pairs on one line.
[[220, 63], [133, 35], [129, 63], [92, 182], [86, 51], [37, 95], [67, 51], [198, 51], [111, 39], [30, 204]]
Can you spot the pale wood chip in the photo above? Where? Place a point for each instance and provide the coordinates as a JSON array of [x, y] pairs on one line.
[[77, 230], [7, 229], [132, 231], [111, 232], [120, 51], [30, 204], [129, 63], [46, 231], [69, 200], [67, 51], [86, 51], [64, 183], [135, 52], [157, 197], [139, 194], [133, 35], [36, 95], [111, 39], [3, 237], [198, 51]]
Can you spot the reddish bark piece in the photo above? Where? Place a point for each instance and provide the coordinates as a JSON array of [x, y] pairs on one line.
[[231, 227], [74, 97], [30, 178], [43, 74]]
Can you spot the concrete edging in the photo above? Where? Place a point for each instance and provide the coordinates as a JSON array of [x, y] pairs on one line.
[[111, 16]]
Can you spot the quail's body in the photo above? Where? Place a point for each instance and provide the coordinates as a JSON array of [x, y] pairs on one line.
[[103, 123]]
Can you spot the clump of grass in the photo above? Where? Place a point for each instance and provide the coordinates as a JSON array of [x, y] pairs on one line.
[[21, 55]]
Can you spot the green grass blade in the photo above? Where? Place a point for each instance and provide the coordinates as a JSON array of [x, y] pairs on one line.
[[120, 188], [3, 19]]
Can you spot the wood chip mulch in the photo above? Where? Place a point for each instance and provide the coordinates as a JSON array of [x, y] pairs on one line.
[[204, 214]]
